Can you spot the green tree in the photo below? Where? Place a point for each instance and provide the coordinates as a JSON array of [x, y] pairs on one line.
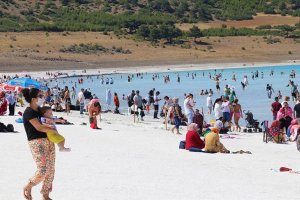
[[286, 29], [195, 32], [169, 32], [132, 24], [154, 34], [143, 31]]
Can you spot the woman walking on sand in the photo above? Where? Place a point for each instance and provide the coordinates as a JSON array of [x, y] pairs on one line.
[[42, 150]]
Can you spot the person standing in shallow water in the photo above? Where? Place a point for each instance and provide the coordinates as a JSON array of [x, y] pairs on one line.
[[42, 150]]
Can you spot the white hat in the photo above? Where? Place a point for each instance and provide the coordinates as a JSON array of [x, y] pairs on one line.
[[218, 124]]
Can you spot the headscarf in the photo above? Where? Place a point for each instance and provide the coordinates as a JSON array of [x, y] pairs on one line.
[[192, 127], [94, 101], [218, 125]]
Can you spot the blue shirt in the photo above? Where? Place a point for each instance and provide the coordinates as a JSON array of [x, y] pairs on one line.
[[11, 99]]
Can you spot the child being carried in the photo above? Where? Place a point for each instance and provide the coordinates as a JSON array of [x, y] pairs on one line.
[[53, 137]]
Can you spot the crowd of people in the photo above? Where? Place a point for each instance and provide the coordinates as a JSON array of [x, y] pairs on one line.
[[202, 135]]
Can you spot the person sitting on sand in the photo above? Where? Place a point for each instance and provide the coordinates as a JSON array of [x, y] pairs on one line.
[[293, 130], [278, 136], [212, 140], [52, 136], [198, 119], [192, 138], [94, 110], [298, 141]]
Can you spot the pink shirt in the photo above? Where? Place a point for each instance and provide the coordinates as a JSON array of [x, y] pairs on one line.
[[283, 113]]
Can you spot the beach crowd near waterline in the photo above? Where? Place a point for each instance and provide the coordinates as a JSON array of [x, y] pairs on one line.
[[70, 96]]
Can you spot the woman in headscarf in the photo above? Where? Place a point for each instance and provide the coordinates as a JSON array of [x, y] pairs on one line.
[[192, 138], [212, 140], [285, 115]]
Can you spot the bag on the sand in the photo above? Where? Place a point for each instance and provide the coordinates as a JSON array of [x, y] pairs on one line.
[[182, 144], [10, 128], [5, 129]]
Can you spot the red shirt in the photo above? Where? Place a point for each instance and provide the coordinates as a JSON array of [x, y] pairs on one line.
[[116, 101], [192, 139], [276, 107]]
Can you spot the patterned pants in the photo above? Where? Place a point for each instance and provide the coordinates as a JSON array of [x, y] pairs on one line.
[[43, 153]]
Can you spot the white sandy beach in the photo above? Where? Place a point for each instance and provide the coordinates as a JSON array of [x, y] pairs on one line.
[[127, 160]]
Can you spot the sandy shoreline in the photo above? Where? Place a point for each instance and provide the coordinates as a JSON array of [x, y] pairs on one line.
[[148, 68]]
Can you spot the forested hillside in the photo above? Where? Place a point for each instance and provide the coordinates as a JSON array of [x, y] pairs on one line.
[[147, 18]]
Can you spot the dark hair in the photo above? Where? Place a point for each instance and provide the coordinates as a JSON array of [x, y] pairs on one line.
[[236, 101], [96, 104], [30, 93], [44, 109], [217, 100]]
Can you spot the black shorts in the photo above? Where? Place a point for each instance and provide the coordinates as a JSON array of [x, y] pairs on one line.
[[217, 87], [68, 101], [151, 99]]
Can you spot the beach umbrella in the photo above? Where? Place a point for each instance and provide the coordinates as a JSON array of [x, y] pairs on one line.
[[18, 84], [5, 87]]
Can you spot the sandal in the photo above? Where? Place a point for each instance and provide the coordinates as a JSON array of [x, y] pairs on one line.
[[27, 192], [46, 197]]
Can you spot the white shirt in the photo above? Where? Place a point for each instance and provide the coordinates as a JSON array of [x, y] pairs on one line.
[[209, 102], [55, 91], [188, 107], [218, 111], [156, 100], [225, 106], [81, 97]]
